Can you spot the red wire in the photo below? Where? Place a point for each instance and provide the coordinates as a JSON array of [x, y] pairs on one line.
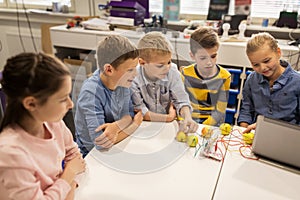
[[245, 156]]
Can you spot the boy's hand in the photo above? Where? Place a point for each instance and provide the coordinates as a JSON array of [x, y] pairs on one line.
[[109, 135], [188, 125], [172, 114], [138, 118]]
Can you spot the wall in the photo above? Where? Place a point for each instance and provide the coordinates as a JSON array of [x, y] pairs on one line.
[[9, 35], [10, 42]]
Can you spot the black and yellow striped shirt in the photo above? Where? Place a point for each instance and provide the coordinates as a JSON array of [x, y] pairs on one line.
[[208, 96]]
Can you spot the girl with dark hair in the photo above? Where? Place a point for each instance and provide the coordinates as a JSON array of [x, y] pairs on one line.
[[34, 141]]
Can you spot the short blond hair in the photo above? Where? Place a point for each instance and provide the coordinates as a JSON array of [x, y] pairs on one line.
[[258, 40], [153, 44]]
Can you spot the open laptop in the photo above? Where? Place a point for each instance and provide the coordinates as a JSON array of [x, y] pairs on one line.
[[278, 143]]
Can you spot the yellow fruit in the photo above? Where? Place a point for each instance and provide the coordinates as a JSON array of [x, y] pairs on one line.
[[192, 140], [248, 138], [206, 132], [225, 128], [181, 136]]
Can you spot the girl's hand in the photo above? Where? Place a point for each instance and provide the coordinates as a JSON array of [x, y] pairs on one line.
[[249, 128], [72, 168], [76, 165]]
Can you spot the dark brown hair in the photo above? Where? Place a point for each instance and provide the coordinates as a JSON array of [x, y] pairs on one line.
[[30, 74], [203, 38]]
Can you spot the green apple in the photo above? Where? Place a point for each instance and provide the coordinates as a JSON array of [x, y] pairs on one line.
[[225, 128], [181, 136], [192, 140]]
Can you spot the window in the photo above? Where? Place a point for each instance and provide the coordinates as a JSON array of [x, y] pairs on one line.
[[272, 8], [37, 3], [259, 8], [199, 7], [2, 3]]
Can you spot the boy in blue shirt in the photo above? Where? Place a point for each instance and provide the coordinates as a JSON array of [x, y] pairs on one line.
[[104, 109]]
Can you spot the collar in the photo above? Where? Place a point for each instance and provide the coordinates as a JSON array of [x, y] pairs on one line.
[[208, 78], [283, 78], [148, 82]]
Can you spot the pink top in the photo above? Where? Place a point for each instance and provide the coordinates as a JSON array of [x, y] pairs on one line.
[[30, 167]]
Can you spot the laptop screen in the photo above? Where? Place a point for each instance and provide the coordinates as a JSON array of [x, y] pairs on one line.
[[277, 140]]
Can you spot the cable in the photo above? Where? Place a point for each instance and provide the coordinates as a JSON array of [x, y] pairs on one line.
[[290, 35], [19, 30], [29, 25], [219, 174]]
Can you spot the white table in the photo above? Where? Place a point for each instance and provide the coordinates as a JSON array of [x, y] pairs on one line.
[[185, 177], [176, 174], [247, 179]]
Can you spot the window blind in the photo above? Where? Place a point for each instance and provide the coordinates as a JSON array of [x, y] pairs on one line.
[[272, 8]]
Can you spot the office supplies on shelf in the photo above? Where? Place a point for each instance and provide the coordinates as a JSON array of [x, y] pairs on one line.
[[234, 21], [226, 27], [158, 24], [97, 24], [242, 29], [128, 9], [287, 19]]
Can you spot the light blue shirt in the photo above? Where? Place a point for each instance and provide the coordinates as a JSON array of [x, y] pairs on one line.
[[97, 105], [157, 96], [279, 102]]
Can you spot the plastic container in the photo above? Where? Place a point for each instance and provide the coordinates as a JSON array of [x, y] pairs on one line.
[[229, 117], [232, 97], [248, 72], [235, 77]]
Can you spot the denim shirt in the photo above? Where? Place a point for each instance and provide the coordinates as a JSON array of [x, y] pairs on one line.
[[279, 102], [97, 105]]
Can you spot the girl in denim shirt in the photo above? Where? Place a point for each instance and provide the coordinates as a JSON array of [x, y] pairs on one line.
[[273, 88]]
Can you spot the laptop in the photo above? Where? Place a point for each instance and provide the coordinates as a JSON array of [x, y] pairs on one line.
[[277, 143]]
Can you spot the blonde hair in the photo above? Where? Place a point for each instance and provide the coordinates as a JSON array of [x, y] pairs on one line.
[[115, 50], [203, 38], [154, 43], [258, 40]]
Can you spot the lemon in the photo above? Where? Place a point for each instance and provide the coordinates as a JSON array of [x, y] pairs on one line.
[[248, 138], [225, 128], [181, 136], [192, 140]]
